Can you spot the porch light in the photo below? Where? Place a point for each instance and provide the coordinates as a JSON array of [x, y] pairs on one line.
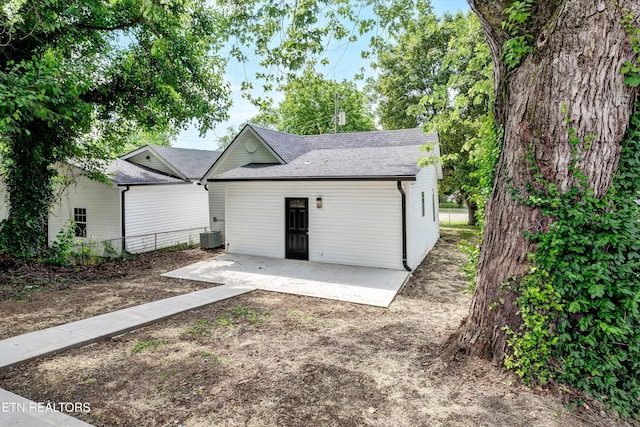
[[318, 202]]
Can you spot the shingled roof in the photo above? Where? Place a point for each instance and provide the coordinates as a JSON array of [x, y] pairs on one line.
[[192, 163], [285, 145], [123, 172], [359, 155]]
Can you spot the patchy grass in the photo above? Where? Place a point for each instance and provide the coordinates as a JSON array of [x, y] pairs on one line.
[[463, 231], [288, 360], [148, 345]]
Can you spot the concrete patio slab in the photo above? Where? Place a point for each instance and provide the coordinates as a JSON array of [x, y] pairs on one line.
[[362, 285], [238, 274]]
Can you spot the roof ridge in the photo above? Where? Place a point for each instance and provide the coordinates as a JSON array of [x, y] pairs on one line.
[[182, 148]]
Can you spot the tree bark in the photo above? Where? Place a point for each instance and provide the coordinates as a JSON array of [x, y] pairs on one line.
[[579, 49], [29, 185], [472, 208]]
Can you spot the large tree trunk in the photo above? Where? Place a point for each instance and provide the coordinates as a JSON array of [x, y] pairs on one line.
[[472, 208], [29, 185], [579, 49]]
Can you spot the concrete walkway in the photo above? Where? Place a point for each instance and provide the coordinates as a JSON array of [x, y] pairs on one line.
[[29, 346], [18, 411], [240, 274], [362, 285]]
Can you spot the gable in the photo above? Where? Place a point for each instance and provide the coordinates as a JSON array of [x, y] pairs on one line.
[[150, 159], [190, 162], [246, 148], [258, 153]]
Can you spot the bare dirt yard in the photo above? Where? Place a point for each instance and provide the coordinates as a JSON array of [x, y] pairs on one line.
[[269, 359]]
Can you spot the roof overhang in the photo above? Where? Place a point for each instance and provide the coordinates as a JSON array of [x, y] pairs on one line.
[[320, 178], [247, 129], [151, 151], [143, 184]]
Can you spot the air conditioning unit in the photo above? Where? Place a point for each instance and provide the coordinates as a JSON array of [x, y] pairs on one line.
[[210, 240]]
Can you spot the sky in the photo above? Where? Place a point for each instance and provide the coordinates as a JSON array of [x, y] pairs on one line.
[[345, 61]]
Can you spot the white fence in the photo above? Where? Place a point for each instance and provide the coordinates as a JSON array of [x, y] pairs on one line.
[[454, 216], [84, 251]]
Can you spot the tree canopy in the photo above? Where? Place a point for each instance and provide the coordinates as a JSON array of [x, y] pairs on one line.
[[438, 74], [309, 106], [557, 280], [77, 77]]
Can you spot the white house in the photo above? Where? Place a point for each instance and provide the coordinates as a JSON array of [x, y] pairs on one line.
[[153, 200], [356, 198]]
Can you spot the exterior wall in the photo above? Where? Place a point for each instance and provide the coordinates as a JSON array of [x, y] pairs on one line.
[[102, 202], [358, 224], [216, 207], [4, 201], [153, 162], [422, 231], [237, 155], [159, 211]]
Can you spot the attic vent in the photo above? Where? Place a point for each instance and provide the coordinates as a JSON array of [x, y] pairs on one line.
[[251, 145], [210, 240]]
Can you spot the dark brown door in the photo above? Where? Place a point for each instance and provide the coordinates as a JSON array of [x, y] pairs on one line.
[[296, 228]]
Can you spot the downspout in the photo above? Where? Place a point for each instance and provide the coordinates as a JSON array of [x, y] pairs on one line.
[[404, 226], [122, 218]]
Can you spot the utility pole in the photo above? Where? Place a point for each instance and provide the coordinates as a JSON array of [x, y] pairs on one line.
[[339, 116], [335, 115]]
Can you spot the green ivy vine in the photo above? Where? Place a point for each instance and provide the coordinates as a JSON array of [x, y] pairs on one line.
[[580, 301], [631, 69], [520, 43]]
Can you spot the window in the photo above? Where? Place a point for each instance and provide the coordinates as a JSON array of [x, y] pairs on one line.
[[80, 218], [423, 203], [433, 203]]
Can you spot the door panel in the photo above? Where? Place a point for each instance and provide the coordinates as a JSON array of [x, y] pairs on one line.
[[296, 228]]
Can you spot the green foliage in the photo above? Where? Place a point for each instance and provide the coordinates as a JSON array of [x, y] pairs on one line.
[[86, 253], [449, 205], [230, 319], [470, 267], [110, 252], [515, 49], [79, 77], [75, 77], [438, 74], [516, 24], [632, 68], [580, 299], [253, 316], [60, 250], [484, 150], [309, 106], [148, 345], [202, 327], [138, 137], [299, 316]]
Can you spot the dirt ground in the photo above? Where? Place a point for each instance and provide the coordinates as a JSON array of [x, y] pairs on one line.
[[35, 296], [269, 359]]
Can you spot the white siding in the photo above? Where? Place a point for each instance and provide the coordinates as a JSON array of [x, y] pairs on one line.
[[216, 207], [358, 224], [4, 201], [159, 211], [152, 162], [102, 202], [422, 231], [237, 155]]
